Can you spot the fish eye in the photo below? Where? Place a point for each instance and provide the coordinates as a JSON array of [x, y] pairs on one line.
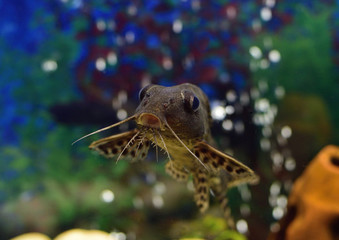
[[195, 103], [143, 91], [191, 102]]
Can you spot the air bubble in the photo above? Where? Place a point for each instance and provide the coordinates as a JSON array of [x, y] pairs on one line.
[[49, 66], [229, 110], [286, 132], [159, 188], [277, 213], [112, 58], [100, 64], [158, 201], [167, 63], [227, 125], [107, 196], [290, 164], [255, 52], [266, 14], [121, 114], [275, 188], [242, 226], [177, 26], [218, 112], [274, 56], [231, 96], [130, 37], [101, 25]]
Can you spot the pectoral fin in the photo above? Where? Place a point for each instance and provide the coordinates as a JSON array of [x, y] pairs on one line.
[[218, 161], [202, 189], [176, 171], [127, 144], [219, 191]]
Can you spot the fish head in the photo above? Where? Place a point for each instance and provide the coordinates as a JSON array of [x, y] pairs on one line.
[[183, 107]]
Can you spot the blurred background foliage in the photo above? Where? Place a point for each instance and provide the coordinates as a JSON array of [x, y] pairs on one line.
[[68, 67]]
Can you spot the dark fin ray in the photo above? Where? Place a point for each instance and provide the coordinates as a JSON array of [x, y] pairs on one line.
[[202, 189], [218, 161], [141, 149], [115, 145], [176, 171], [129, 145]]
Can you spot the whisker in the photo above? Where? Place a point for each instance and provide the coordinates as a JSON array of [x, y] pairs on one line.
[[105, 128], [176, 136], [165, 147], [127, 145], [141, 141], [156, 145]]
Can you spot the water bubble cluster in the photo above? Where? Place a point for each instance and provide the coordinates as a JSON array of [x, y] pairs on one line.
[[158, 191], [266, 95]]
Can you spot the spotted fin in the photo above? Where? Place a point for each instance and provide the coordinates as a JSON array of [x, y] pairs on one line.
[[202, 189], [219, 191], [176, 171], [127, 144], [218, 161]]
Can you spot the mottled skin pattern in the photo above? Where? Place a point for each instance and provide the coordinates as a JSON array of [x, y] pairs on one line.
[[166, 103], [177, 119]]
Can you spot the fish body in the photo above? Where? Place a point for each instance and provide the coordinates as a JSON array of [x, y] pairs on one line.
[[177, 119]]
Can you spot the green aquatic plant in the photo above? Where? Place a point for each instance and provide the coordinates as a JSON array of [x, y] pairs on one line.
[[208, 227]]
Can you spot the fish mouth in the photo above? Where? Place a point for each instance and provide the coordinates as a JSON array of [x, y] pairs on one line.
[[150, 120]]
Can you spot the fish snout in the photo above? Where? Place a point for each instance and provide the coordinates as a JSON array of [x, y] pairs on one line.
[[149, 120]]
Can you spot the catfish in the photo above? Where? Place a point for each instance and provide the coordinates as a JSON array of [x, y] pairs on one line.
[[177, 119]]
